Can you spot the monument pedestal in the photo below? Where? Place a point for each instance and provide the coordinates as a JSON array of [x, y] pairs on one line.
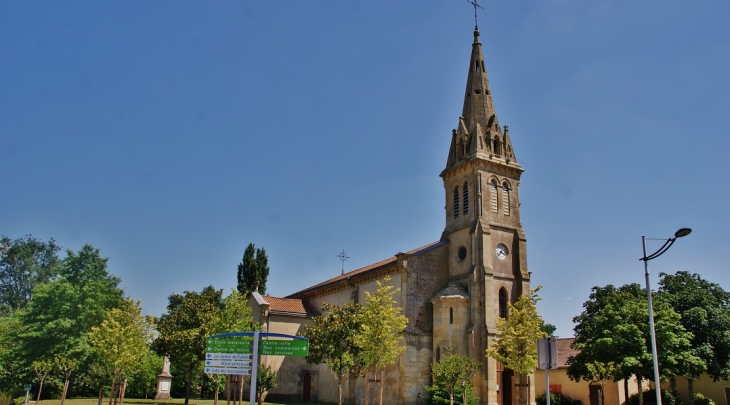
[[164, 381]]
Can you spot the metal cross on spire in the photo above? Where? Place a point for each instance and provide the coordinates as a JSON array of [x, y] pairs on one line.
[[475, 4], [343, 256]]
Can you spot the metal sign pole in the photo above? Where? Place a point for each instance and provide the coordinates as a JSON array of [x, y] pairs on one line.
[[254, 366]]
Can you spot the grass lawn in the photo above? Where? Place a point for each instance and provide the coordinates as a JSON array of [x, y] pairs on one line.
[[135, 401]]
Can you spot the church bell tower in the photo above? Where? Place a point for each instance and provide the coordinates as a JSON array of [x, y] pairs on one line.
[[487, 246]]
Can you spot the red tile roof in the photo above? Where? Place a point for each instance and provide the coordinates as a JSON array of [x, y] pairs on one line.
[[565, 351], [290, 306]]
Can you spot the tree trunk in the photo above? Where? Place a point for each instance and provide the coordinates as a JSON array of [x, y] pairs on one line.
[[189, 383], [339, 392], [463, 397], [240, 390], [451, 398], [691, 391], [101, 396], [122, 390], [40, 387], [639, 381], [228, 389], [215, 395], [367, 388], [65, 390], [626, 391], [382, 379], [111, 392]]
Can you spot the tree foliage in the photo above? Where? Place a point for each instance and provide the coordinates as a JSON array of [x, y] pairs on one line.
[[254, 267], [24, 264], [332, 340], [190, 319], [516, 347], [265, 381], [614, 328], [704, 310], [121, 341], [453, 373], [382, 324], [62, 311]]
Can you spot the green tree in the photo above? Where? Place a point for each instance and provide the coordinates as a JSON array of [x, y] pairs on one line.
[[265, 381], [12, 367], [41, 368], [143, 379], [516, 347], [614, 328], [24, 264], [121, 341], [56, 321], [254, 267], [453, 373], [704, 310], [190, 319], [382, 324], [332, 340], [65, 366], [548, 328]]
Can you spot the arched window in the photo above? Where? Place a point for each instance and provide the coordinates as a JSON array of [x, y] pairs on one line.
[[505, 199], [456, 202], [503, 302], [497, 147], [465, 196], [460, 149], [451, 315], [493, 196]]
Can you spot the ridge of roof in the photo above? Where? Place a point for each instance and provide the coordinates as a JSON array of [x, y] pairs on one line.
[[367, 269]]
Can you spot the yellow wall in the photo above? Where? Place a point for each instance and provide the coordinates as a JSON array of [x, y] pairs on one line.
[[613, 391], [704, 385]]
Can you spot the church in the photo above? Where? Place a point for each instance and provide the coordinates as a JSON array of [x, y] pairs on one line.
[[452, 291]]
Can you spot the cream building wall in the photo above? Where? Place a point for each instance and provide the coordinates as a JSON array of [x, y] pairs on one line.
[[717, 391]]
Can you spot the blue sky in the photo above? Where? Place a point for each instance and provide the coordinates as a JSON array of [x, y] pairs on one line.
[[170, 134]]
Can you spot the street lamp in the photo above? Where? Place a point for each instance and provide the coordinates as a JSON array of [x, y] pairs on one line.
[[667, 244]]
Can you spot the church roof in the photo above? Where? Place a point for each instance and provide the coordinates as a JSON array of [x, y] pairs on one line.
[[365, 270], [291, 306]]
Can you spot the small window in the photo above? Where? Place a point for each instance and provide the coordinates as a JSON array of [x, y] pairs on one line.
[[451, 315], [493, 197], [456, 202], [465, 195], [462, 253], [503, 303]]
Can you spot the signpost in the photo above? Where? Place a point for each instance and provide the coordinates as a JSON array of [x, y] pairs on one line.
[[228, 353]]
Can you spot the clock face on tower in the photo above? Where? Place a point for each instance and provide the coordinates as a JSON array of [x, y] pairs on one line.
[[501, 251]]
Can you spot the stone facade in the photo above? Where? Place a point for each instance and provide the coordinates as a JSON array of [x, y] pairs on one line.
[[452, 291]]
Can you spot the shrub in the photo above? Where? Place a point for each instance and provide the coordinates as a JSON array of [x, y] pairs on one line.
[[669, 397], [5, 398], [437, 396], [700, 399], [556, 398]]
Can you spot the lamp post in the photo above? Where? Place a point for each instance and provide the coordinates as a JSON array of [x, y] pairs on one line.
[[667, 244]]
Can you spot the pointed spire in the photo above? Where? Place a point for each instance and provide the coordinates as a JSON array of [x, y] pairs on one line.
[[478, 104], [478, 133]]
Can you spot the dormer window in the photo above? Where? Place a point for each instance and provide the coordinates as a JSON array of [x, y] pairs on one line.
[[497, 148]]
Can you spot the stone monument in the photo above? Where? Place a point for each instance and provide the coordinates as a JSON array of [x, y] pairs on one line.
[[164, 380]]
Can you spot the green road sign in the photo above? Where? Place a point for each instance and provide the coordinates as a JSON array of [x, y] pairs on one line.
[[27, 387], [298, 348], [220, 345]]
